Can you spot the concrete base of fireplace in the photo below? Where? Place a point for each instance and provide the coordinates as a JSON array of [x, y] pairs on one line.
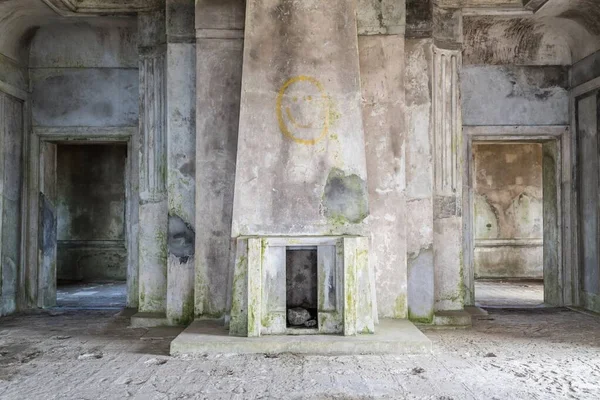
[[209, 337]]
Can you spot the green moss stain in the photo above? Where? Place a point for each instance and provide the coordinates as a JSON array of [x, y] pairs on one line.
[[267, 320], [187, 311], [163, 251], [333, 113], [400, 307], [321, 284], [420, 319]]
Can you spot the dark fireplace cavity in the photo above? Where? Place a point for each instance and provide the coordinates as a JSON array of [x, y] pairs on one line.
[[301, 287]]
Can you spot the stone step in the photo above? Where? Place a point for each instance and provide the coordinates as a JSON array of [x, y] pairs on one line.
[[390, 337]]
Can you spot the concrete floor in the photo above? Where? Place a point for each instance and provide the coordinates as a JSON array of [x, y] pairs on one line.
[[509, 293], [109, 295], [522, 354]]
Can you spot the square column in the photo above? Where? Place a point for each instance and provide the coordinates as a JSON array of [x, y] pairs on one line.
[[448, 165], [219, 49], [153, 210]]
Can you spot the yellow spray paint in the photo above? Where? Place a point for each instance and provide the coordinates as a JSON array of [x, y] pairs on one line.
[[283, 112]]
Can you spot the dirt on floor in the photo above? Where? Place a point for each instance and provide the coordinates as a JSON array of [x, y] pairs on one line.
[[534, 354]]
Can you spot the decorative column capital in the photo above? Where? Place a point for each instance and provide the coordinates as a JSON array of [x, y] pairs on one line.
[[447, 27]]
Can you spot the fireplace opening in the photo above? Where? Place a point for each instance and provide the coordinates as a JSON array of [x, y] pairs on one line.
[[301, 287]]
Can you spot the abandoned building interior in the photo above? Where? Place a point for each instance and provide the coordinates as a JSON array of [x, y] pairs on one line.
[[292, 168]]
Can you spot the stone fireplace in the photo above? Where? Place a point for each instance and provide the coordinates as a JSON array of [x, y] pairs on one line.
[[301, 194], [338, 293]]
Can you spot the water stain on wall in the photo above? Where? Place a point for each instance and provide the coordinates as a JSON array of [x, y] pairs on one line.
[[182, 239], [345, 197]]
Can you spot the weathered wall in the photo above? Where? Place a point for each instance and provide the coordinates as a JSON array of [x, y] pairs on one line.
[[91, 212], [511, 95], [11, 172], [181, 159], [518, 41], [84, 78], [219, 51], [508, 210], [586, 69], [588, 207], [382, 84], [301, 112], [419, 179], [85, 74]]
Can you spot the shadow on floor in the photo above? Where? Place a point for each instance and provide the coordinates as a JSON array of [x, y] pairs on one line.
[[92, 295], [509, 294]]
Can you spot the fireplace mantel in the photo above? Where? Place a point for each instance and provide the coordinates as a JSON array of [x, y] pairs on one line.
[[346, 295]]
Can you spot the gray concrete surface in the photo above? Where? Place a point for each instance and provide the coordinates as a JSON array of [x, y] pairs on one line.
[[506, 355], [508, 210], [91, 295], [390, 337], [493, 293]]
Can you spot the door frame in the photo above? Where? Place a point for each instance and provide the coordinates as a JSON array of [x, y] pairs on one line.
[[560, 276], [88, 136]]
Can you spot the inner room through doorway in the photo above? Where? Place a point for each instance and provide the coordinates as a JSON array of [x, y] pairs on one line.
[[508, 219], [92, 254]]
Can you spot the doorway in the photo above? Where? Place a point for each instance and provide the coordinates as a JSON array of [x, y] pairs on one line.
[[508, 224], [83, 217], [513, 240]]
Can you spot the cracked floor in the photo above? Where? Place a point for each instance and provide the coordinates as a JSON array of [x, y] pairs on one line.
[[93, 354]]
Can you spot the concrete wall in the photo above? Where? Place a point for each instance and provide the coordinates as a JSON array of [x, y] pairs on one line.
[[508, 214], [219, 57], [383, 110], [85, 74], [11, 173], [419, 179], [181, 159], [91, 212], [84, 86], [588, 207], [586, 69], [305, 108], [513, 95]]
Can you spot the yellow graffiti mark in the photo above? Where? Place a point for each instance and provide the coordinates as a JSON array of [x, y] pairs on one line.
[[283, 126]]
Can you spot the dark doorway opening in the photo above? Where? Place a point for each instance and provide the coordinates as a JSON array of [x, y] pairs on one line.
[[90, 202], [302, 287]]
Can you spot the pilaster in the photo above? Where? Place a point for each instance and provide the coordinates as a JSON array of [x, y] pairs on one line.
[[153, 209], [448, 161]]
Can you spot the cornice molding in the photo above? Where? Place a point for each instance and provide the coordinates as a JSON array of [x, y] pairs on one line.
[[494, 7], [70, 8]]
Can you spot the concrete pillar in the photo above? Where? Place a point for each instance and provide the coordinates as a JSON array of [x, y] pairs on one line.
[[181, 159], [153, 211], [11, 166], [448, 158], [419, 181], [219, 46], [381, 50]]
